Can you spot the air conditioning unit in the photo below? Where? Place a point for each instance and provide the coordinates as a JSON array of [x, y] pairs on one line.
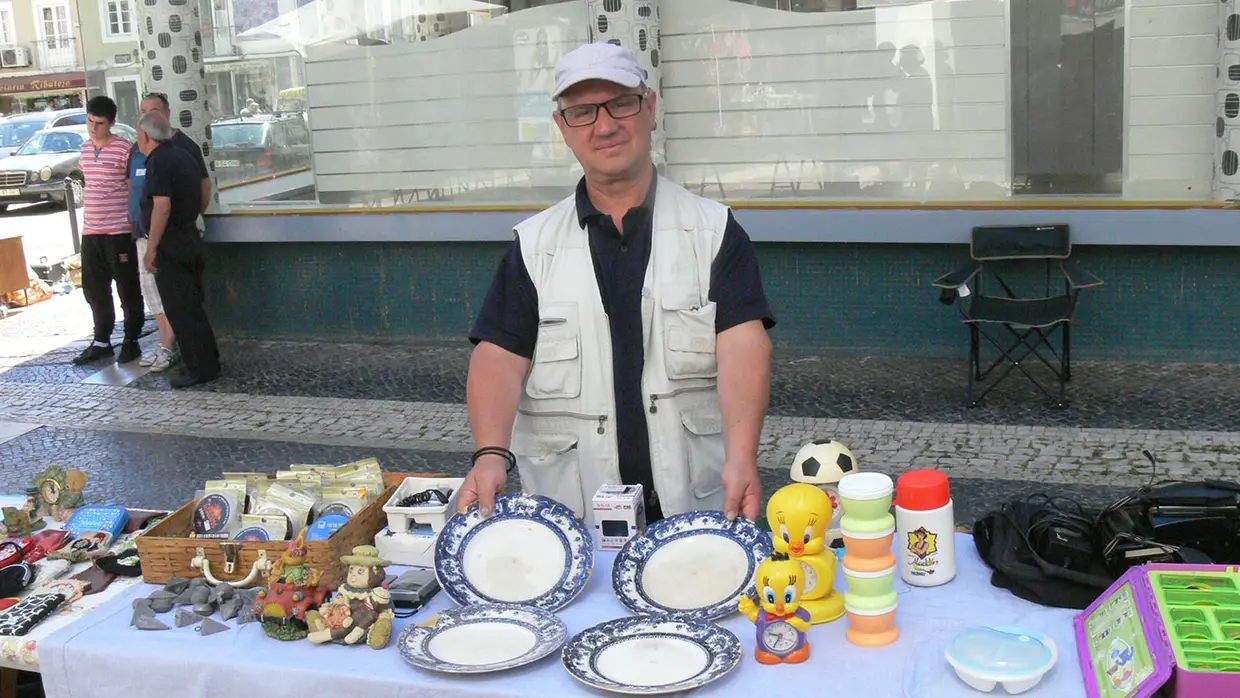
[[14, 57]]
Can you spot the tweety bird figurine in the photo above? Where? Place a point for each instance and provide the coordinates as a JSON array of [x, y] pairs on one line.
[[799, 515], [782, 623]]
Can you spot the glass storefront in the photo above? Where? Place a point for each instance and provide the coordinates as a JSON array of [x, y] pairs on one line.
[[395, 103]]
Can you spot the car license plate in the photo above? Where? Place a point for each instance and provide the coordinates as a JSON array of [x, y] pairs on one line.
[[10, 192], [228, 163]]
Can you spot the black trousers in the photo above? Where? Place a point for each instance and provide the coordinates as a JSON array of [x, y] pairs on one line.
[[178, 275], [108, 258]]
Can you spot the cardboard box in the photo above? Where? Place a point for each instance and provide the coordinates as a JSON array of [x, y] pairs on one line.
[[619, 514]]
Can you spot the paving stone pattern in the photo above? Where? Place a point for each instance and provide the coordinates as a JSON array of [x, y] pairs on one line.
[[1117, 395]]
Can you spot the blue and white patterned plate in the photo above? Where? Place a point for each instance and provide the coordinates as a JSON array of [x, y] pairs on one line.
[[531, 551], [648, 655], [695, 565], [482, 638]]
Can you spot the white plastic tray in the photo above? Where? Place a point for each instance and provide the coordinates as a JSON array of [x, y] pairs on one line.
[[402, 519]]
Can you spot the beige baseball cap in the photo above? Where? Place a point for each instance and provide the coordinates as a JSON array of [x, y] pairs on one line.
[[598, 61]]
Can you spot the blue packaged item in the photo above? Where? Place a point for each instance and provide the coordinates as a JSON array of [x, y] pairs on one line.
[[325, 526], [112, 519], [1017, 658]]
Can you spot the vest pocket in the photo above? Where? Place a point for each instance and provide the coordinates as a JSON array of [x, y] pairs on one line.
[[556, 368], [549, 465], [689, 336], [704, 450]]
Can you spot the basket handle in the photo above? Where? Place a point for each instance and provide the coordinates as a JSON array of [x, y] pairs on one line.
[[231, 550]]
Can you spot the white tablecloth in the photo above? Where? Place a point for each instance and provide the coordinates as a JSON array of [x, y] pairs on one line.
[[102, 656]]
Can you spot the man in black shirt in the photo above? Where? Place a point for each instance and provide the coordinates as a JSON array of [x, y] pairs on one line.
[[171, 202], [158, 101]]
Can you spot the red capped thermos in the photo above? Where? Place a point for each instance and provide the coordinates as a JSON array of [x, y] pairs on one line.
[[925, 528]]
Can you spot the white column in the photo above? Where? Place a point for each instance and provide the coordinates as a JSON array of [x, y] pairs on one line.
[[171, 50], [1227, 130], [633, 24]]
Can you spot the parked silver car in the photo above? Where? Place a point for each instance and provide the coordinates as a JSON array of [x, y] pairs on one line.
[[16, 129]]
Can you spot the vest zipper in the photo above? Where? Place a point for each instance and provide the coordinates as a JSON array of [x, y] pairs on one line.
[[600, 418], [655, 397]]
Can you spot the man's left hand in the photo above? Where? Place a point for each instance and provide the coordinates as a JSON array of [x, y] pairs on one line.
[[742, 489], [148, 260]]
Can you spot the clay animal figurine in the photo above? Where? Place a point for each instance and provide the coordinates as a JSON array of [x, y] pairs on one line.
[[362, 607], [781, 621], [799, 515], [292, 591], [72, 499]]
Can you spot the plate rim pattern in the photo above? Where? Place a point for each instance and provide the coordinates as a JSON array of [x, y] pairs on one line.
[[414, 641], [636, 552], [462, 527], [722, 647]]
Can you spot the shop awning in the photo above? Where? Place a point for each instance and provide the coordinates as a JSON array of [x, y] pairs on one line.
[[39, 84]]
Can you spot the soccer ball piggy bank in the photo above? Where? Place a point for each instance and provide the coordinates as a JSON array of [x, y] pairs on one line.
[[824, 463]]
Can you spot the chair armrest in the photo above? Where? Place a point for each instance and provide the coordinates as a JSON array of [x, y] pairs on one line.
[[1078, 277], [957, 278]]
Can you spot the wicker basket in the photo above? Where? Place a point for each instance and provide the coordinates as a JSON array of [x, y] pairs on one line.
[[167, 549]]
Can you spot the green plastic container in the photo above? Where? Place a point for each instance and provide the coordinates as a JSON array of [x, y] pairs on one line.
[[870, 603], [867, 527], [870, 584], [865, 496]]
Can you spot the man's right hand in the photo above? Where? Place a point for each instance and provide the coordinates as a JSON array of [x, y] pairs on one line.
[[486, 480]]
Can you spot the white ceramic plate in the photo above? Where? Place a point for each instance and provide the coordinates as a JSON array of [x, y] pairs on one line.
[[648, 655], [531, 551], [695, 565], [483, 638]]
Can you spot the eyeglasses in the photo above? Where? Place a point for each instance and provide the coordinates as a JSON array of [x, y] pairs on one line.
[[621, 107]]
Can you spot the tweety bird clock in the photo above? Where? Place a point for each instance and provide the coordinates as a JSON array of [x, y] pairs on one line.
[[799, 515], [780, 621]]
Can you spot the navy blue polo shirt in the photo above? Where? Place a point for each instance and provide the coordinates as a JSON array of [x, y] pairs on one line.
[[509, 314]]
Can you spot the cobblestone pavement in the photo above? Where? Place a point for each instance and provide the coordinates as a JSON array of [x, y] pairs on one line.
[[1104, 394], [894, 414]]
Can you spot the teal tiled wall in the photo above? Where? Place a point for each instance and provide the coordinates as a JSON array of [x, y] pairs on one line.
[[1162, 304]]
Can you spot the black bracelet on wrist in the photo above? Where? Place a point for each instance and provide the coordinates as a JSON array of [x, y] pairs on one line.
[[496, 451]]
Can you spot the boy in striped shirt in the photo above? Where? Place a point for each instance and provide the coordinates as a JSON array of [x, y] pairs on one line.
[[108, 250]]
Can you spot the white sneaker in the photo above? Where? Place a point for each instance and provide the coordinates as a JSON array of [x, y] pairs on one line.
[[163, 359], [150, 358]]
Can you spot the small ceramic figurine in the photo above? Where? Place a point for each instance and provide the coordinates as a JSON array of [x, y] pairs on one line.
[[292, 591], [361, 609], [59, 492], [17, 523], [781, 621], [798, 515]]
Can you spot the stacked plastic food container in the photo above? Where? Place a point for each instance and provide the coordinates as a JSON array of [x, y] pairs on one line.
[[869, 563]]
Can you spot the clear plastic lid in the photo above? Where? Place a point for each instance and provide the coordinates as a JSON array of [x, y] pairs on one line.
[[1001, 653]]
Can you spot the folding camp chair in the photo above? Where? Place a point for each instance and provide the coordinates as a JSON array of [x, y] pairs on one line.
[[1004, 255]]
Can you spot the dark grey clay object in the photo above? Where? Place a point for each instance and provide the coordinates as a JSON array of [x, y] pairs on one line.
[[176, 585], [247, 615], [141, 613], [148, 623], [142, 604], [204, 609], [185, 617], [230, 608], [200, 595], [185, 598], [222, 592], [161, 605], [211, 627]]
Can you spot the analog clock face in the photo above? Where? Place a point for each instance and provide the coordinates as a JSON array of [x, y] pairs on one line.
[[811, 578], [50, 491], [779, 636]]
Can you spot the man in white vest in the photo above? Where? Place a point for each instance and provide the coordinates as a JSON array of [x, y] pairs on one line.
[[624, 337]]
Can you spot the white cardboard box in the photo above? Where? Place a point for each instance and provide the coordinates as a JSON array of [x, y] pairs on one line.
[[619, 514], [411, 549]]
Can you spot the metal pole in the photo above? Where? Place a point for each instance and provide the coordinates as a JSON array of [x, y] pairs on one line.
[[71, 207]]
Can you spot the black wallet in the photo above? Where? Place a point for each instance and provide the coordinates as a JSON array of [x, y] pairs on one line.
[[28, 612]]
